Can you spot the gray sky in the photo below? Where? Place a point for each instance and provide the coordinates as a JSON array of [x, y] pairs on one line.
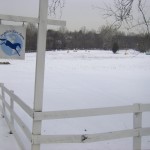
[[77, 13]]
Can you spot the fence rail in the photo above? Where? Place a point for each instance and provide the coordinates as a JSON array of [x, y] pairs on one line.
[[13, 116], [88, 138], [91, 112], [136, 109]]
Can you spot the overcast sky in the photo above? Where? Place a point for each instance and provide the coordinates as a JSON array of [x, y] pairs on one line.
[[77, 13]]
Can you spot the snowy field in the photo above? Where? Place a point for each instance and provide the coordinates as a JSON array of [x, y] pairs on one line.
[[78, 80]]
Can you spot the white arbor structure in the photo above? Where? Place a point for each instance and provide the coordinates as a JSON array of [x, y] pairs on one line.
[[38, 115], [42, 22]]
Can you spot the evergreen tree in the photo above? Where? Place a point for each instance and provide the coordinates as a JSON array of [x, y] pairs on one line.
[[115, 47]]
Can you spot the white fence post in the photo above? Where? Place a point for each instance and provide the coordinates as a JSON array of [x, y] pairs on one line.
[[3, 98], [12, 109], [40, 66], [137, 124]]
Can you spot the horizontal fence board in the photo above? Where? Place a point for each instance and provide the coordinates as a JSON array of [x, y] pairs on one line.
[[145, 131], [19, 122], [1, 108], [111, 135], [45, 139], [88, 138], [15, 134], [23, 105], [144, 107], [31, 20], [84, 112]]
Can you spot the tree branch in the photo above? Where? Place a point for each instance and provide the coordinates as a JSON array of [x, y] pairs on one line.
[[143, 15], [122, 12], [54, 5]]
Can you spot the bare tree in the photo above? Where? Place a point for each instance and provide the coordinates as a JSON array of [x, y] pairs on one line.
[[56, 5], [146, 21], [123, 13]]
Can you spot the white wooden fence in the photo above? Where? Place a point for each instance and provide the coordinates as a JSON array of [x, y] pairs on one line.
[[137, 132]]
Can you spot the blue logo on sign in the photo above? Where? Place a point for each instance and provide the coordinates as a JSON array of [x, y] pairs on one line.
[[11, 42]]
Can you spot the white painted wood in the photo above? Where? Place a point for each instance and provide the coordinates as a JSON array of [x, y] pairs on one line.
[[88, 138], [18, 18], [18, 139], [45, 139], [23, 105], [3, 98], [56, 22], [31, 20], [38, 139], [19, 122], [144, 107], [11, 111], [111, 135], [40, 66], [1, 108], [83, 112], [137, 124], [145, 131]]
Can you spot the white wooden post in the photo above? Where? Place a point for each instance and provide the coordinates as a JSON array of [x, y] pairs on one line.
[[40, 66], [3, 98], [12, 109], [137, 124]]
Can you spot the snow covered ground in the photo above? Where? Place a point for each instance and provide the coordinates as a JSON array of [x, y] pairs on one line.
[[77, 80]]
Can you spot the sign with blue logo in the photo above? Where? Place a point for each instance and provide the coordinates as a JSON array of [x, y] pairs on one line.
[[12, 42]]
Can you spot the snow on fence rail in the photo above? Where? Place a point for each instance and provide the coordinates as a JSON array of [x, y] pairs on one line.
[[137, 132]]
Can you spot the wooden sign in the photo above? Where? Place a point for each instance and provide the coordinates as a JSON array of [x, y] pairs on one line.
[[12, 42]]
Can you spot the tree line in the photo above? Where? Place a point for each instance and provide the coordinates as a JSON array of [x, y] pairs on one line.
[[104, 38]]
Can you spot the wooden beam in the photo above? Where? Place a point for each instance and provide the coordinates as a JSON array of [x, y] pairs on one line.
[[31, 20], [40, 67], [18, 18], [56, 22]]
